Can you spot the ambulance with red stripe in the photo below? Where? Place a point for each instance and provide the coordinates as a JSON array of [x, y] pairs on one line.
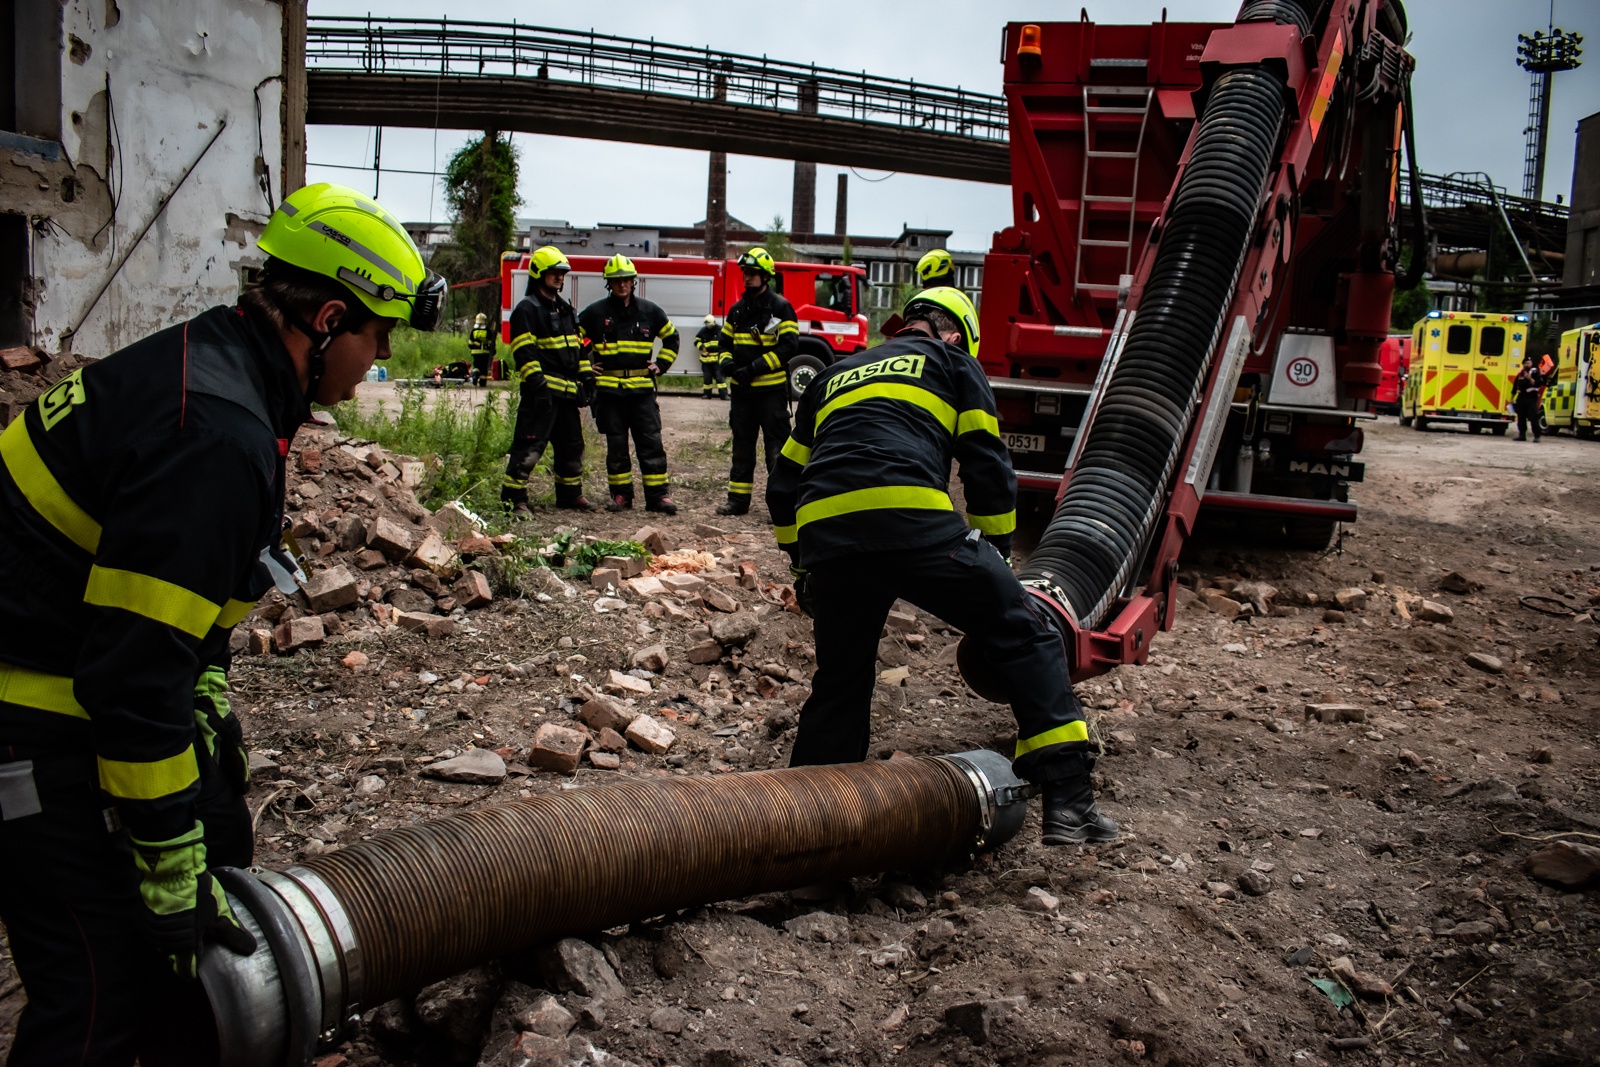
[[1462, 363]]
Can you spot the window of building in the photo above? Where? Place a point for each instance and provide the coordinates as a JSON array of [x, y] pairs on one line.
[[1492, 341], [1458, 340]]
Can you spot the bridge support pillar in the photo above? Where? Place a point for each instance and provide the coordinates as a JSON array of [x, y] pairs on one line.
[[803, 216], [841, 206], [717, 207]]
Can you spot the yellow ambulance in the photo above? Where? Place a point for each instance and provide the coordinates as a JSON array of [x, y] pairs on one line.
[[1462, 363], [1573, 399]]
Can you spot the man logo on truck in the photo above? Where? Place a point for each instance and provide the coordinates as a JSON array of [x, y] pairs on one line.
[[1301, 466]]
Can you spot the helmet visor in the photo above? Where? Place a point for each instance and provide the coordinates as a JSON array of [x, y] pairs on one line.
[[427, 307]]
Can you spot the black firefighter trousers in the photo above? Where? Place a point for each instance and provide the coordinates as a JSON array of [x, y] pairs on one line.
[[763, 411], [618, 413], [543, 420], [965, 582], [98, 993]]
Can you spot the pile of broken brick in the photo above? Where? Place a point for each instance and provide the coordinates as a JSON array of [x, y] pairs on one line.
[[373, 557]]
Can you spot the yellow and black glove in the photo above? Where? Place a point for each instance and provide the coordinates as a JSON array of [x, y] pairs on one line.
[[184, 906], [219, 730]]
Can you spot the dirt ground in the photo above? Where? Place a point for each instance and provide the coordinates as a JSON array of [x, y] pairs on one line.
[[1262, 848]]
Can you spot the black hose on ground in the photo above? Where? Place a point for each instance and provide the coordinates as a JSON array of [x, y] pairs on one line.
[[1102, 528]]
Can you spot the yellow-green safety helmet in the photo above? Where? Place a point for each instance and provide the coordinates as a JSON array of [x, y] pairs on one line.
[[758, 259], [619, 266], [954, 303], [546, 258], [335, 231], [936, 268]]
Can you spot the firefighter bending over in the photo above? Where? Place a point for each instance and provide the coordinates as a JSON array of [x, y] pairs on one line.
[[621, 331], [143, 499], [758, 337], [556, 380], [480, 346], [936, 269], [705, 342], [859, 500]]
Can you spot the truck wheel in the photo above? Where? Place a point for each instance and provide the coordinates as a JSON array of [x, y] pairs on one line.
[[1585, 432], [1500, 430], [1420, 424], [1474, 427], [1405, 420], [1308, 535], [802, 369]]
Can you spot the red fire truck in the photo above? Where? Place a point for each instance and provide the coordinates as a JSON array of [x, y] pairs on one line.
[[1102, 120], [1395, 357], [829, 302], [1187, 311]]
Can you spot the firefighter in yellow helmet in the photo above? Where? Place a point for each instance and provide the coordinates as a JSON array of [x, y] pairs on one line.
[[141, 509], [860, 502], [481, 345], [936, 269], [621, 330], [711, 377], [556, 380], [757, 340]]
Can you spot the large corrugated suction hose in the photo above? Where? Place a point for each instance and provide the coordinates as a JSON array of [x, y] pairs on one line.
[[354, 928], [1102, 527]]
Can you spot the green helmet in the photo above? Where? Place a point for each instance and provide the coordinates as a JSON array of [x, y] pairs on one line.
[[758, 259], [936, 268], [952, 302], [619, 266], [342, 234], [547, 258]]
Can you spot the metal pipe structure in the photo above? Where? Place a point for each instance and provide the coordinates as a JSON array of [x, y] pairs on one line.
[[351, 929]]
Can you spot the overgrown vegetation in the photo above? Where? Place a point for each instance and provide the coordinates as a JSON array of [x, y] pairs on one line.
[[416, 353], [463, 447], [480, 185], [580, 561], [776, 241]]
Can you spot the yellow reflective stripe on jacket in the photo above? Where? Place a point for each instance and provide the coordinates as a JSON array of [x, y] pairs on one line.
[[667, 330], [786, 535], [796, 451], [521, 341], [561, 340], [788, 326], [1077, 730], [910, 394], [606, 381], [44, 494], [560, 385], [149, 781], [233, 613], [976, 420], [775, 378], [879, 496], [993, 524], [152, 598], [35, 689]]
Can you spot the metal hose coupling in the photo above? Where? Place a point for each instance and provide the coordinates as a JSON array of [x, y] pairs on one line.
[[351, 929]]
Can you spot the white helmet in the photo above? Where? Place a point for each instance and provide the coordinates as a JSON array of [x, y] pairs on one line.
[[711, 320]]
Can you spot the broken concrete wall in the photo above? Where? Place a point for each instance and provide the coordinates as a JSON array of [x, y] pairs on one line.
[[143, 89]]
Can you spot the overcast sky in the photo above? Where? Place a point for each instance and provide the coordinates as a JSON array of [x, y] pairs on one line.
[[1471, 100]]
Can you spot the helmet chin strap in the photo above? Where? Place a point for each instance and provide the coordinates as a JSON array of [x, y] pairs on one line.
[[317, 358]]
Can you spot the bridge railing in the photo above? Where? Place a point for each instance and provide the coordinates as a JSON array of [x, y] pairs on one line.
[[463, 49]]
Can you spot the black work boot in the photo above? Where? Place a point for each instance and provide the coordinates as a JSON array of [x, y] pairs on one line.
[[732, 507], [1070, 815], [665, 506], [618, 502]]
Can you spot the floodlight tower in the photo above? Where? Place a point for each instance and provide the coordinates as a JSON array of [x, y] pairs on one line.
[[1545, 54]]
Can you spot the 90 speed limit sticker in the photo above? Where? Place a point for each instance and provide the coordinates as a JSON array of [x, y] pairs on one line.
[[1301, 371]]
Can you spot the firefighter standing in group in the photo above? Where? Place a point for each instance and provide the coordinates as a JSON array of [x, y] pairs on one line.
[[936, 269], [758, 337], [621, 330], [481, 345], [143, 498], [860, 502], [705, 342], [556, 380]]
